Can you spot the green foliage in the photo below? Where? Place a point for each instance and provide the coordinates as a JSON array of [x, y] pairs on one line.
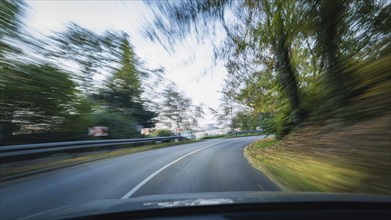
[[10, 13], [262, 144], [246, 121], [177, 111], [213, 136], [268, 123], [128, 74], [297, 60], [89, 52], [162, 133], [10, 10], [57, 98], [123, 90], [35, 94]]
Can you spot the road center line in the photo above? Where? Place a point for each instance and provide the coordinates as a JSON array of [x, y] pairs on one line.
[[132, 191]]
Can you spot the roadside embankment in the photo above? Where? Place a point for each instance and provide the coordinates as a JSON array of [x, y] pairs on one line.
[[333, 157]]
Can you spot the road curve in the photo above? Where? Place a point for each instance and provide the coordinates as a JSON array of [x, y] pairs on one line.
[[209, 166]]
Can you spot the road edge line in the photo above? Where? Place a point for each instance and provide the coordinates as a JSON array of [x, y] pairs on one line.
[[142, 183]]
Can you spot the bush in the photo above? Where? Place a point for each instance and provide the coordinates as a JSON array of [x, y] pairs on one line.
[[162, 133], [213, 136]]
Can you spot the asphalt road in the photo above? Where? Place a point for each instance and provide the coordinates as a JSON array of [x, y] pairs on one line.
[[215, 165]]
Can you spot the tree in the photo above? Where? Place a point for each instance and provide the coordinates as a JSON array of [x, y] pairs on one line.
[[346, 31], [225, 113], [262, 24], [292, 59], [281, 47], [39, 95], [123, 90], [162, 133], [110, 52], [86, 53], [177, 111], [246, 121]]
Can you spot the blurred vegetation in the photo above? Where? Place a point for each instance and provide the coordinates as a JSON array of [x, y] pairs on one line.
[[213, 136], [294, 61], [178, 111], [49, 90], [329, 158], [318, 73], [162, 133], [246, 121]]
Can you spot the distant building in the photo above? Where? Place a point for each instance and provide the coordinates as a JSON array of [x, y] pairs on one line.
[[208, 127]]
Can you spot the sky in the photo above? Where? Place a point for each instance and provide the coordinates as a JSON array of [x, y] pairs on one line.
[[185, 66]]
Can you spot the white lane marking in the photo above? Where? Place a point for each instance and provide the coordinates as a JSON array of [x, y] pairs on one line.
[[132, 191]]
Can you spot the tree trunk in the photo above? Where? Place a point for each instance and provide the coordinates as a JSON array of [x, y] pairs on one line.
[[287, 75], [330, 15]]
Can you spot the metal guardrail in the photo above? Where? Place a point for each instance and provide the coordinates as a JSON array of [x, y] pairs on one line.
[[29, 149]]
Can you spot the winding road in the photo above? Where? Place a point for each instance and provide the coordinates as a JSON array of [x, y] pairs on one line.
[[215, 165]]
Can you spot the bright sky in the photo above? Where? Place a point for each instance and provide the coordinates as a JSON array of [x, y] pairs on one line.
[[184, 67]]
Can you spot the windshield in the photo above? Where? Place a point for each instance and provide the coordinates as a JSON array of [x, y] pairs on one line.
[[125, 99]]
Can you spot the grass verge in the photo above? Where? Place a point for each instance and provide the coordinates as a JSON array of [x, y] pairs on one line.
[[229, 135], [243, 135], [25, 168], [294, 172], [213, 136], [352, 158]]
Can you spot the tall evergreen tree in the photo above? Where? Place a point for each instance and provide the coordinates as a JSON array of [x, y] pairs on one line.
[[123, 92]]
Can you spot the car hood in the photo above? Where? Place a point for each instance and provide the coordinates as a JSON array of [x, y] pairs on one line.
[[198, 199]]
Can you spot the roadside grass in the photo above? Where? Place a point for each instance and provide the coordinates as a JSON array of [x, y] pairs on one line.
[[296, 172], [64, 160], [213, 136], [334, 160], [243, 135], [229, 136]]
